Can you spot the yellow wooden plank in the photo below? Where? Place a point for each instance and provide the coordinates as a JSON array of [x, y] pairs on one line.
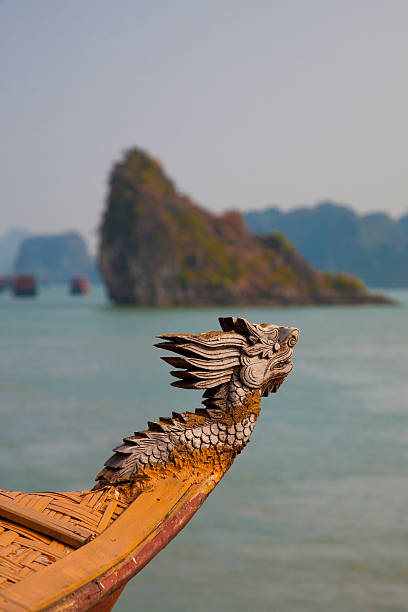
[[32, 535], [6, 538], [72, 535], [75, 510], [41, 548], [107, 516]]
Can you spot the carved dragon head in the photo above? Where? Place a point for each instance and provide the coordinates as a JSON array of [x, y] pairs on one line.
[[239, 363], [259, 356]]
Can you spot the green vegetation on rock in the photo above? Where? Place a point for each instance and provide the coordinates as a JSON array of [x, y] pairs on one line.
[[158, 248]]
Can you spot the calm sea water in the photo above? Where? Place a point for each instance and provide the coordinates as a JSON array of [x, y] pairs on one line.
[[313, 516]]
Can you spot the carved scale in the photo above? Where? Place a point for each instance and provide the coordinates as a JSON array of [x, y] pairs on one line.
[[235, 368]]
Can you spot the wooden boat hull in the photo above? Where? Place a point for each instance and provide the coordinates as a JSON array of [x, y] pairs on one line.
[[92, 577], [108, 602]]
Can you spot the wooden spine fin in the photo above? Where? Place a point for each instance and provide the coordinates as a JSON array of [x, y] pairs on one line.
[[180, 417]]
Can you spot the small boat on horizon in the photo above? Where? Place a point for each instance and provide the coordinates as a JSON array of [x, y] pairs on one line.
[[80, 285], [24, 285], [75, 551]]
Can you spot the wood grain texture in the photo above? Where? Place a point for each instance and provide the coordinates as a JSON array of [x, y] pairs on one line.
[[96, 570], [41, 528], [73, 535]]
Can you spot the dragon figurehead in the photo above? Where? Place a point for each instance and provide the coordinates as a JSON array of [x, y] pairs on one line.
[[235, 367], [250, 355]]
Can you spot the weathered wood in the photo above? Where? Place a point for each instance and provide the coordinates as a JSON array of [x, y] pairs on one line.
[[234, 368], [153, 484], [92, 573], [67, 533]]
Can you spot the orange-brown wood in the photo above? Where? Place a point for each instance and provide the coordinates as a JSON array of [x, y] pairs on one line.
[[73, 535], [108, 602], [88, 575], [25, 549]]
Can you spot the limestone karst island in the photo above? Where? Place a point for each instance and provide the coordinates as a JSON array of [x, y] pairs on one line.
[[159, 248]]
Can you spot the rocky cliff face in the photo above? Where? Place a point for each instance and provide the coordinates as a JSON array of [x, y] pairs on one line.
[[158, 248]]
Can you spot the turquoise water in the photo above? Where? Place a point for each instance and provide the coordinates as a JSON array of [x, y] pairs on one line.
[[313, 516]]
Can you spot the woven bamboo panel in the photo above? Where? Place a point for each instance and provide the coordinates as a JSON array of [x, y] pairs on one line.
[[24, 551]]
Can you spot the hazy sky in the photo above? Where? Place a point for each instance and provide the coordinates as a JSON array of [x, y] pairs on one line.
[[246, 103]]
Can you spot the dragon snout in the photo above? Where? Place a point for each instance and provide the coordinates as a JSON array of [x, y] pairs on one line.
[[288, 336]]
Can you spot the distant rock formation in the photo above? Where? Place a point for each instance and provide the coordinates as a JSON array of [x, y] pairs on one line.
[[9, 246], [373, 247], [55, 258], [158, 248]]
